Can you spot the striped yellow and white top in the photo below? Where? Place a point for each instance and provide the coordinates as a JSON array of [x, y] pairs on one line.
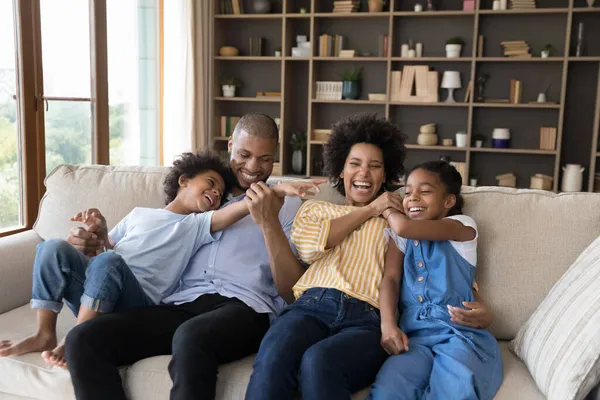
[[354, 266]]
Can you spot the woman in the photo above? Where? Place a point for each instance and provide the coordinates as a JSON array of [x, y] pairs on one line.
[[328, 341]]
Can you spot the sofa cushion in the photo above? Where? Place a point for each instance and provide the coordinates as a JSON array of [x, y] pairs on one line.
[[527, 240], [560, 343]]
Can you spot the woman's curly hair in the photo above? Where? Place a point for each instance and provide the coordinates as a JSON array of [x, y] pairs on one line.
[[192, 164], [364, 128]]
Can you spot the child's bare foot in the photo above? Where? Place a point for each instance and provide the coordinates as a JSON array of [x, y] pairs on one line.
[[56, 356], [37, 342]]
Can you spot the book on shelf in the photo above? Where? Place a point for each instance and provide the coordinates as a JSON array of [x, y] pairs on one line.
[[330, 45], [415, 84], [383, 45], [228, 124], [516, 89], [256, 46], [547, 138], [346, 6], [461, 167]]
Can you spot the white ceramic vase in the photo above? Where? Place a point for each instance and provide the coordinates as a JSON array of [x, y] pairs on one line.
[[590, 3], [461, 139], [572, 180], [297, 161], [453, 50], [473, 182], [228, 90], [545, 54]]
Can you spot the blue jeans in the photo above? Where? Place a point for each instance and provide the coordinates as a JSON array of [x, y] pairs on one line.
[[327, 344], [104, 283]]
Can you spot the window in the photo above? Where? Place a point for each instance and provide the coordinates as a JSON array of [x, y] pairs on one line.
[[10, 171]]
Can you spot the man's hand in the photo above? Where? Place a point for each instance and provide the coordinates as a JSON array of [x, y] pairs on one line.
[[393, 340], [299, 188], [476, 315], [91, 239], [264, 204], [387, 200]]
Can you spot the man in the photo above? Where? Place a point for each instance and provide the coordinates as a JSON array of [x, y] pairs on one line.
[[227, 297]]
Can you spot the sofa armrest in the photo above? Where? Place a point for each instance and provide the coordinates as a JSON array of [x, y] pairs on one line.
[[17, 253]]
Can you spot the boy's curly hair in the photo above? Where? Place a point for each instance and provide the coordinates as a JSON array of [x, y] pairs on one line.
[[364, 128], [192, 164]]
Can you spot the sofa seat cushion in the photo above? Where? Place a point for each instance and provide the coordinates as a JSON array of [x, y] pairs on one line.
[[29, 377]]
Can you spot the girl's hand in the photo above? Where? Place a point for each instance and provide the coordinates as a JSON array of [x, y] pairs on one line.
[[393, 340], [475, 315], [386, 200], [299, 188]]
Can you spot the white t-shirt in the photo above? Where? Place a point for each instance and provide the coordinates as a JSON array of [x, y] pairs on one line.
[[467, 250], [157, 244]]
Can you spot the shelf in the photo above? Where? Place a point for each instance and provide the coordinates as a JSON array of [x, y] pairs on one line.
[[513, 151], [265, 99], [249, 58], [349, 101], [248, 16], [520, 105], [586, 10], [290, 58], [439, 104], [433, 59], [526, 11], [516, 59], [318, 142], [298, 15], [442, 148], [350, 59], [353, 15], [584, 59], [452, 13]]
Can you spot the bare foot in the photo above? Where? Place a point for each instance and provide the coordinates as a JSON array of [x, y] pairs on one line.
[[56, 356], [37, 342]]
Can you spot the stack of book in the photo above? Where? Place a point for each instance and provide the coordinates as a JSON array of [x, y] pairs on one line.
[[330, 46], [321, 135], [516, 89], [271, 95], [228, 124], [547, 138], [384, 45], [346, 6], [348, 53], [516, 48], [328, 90], [232, 7], [256, 46], [415, 83], [522, 4]]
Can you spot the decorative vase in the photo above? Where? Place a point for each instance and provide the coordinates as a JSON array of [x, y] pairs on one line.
[[500, 138], [297, 161], [375, 5], [350, 90], [427, 139], [479, 144], [228, 90], [590, 3], [473, 182], [228, 51], [461, 139], [545, 54], [453, 50], [572, 179], [261, 6]]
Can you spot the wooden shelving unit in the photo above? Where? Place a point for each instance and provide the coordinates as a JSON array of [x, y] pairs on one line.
[[575, 81]]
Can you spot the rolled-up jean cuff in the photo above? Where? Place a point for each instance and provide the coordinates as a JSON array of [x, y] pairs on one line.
[[46, 305], [97, 305]]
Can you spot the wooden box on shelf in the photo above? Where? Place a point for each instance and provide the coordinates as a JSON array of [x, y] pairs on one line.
[[321, 135], [507, 180], [541, 182]]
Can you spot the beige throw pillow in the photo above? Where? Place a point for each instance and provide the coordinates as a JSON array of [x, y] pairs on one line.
[[560, 343]]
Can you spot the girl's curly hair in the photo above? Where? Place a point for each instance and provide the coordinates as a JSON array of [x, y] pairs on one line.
[[192, 164], [364, 128]]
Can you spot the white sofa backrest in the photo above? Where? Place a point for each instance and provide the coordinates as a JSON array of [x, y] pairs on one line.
[[527, 238]]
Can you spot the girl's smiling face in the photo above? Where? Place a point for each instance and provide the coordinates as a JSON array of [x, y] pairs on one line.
[[426, 196]]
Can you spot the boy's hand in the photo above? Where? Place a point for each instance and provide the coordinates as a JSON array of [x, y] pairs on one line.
[[393, 340], [299, 188]]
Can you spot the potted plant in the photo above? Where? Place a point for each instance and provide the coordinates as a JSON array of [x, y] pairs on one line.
[[351, 84], [298, 143], [547, 50], [473, 180], [453, 47], [479, 140], [277, 52], [228, 84]]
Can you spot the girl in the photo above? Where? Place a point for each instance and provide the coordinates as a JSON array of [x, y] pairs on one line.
[[434, 256]]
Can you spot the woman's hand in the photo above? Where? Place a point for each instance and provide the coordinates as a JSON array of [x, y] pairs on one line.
[[393, 340], [476, 315], [299, 188], [386, 200]]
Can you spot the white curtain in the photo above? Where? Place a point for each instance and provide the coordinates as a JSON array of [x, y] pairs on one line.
[[179, 79]]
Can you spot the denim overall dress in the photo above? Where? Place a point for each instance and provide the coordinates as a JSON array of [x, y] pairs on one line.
[[445, 360]]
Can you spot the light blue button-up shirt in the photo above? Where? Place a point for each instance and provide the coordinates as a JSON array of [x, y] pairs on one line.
[[237, 265]]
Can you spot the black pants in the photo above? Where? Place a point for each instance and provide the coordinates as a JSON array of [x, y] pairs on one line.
[[202, 334]]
